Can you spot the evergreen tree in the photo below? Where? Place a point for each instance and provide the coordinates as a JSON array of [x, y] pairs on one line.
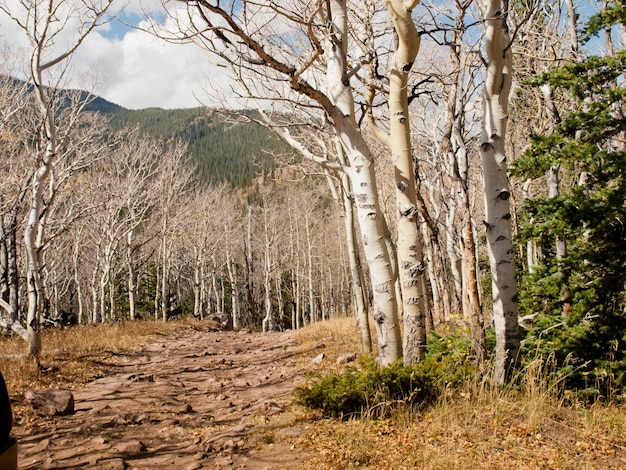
[[589, 146]]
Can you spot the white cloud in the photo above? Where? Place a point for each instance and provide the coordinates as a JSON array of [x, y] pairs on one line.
[[131, 67], [142, 71]]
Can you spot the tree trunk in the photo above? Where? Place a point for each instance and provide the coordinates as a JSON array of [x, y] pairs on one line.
[[250, 291], [132, 276], [355, 268], [309, 261], [234, 290], [409, 249], [197, 300], [497, 194]]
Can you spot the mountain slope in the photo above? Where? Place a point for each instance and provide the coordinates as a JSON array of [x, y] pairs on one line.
[[222, 151]]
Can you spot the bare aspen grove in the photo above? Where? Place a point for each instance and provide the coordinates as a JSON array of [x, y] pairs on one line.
[[435, 166]]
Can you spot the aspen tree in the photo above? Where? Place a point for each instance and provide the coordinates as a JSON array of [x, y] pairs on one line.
[[497, 205], [43, 23], [318, 75]]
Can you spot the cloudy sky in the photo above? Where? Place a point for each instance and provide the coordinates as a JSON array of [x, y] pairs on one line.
[[134, 69]]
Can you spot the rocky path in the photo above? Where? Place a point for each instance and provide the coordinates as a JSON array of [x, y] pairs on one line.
[[194, 400]]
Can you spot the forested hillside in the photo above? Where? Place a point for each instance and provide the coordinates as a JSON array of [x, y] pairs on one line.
[[221, 150]]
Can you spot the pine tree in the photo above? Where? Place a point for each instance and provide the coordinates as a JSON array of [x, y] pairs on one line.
[[590, 214]]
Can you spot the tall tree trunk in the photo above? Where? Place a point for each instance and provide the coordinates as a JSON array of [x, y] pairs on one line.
[[356, 272], [197, 299], [355, 269], [234, 290], [363, 181], [497, 194], [77, 281], [409, 249], [250, 291], [132, 276], [309, 262], [165, 294]]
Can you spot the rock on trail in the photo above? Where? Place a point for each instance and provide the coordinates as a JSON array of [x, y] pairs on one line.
[[195, 400]]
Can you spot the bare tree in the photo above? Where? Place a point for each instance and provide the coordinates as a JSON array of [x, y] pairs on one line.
[[497, 194], [315, 71], [44, 24]]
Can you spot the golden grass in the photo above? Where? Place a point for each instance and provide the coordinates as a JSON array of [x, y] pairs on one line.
[[74, 356], [474, 427]]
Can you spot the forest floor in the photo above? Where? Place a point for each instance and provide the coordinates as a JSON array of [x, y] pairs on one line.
[[191, 400], [180, 395]]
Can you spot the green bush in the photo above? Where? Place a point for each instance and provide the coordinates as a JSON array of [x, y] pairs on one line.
[[375, 390]]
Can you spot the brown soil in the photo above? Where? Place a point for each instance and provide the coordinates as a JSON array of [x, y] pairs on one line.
[[196, 399]]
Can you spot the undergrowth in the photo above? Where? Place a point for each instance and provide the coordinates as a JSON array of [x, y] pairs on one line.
[[375, 391]]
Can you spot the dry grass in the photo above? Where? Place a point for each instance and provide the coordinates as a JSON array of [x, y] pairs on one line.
[[476, 427], [74, 356]]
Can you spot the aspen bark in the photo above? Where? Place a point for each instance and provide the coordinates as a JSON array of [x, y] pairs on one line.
[[497, 211], [364, 185], [356, 273], [409, 249]]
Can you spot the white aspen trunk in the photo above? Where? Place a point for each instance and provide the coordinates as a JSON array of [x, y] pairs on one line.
[[103, 293], [453, 255], [132, 276], [432, 279], [234, 290], [197, 307], [157, 293], [363, 181], [164, 274], [112, 301], [216, 293], [409, 249], [356, 272], [250, 271], [268, 319], [106, 282], [222, 297], [279, 298], [296, 284], [295, 258], [203, 293], [79, 290], [32, 231], [497, 194], [309, 258], [323, 304]]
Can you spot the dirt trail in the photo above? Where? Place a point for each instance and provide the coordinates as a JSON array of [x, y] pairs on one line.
[[196, 399]]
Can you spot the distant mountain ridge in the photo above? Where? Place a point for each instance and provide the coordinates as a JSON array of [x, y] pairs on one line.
[[222, 151]]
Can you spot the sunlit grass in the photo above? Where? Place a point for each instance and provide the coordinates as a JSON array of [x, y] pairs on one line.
[[528, 426], [74, 356], [531, 425]]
